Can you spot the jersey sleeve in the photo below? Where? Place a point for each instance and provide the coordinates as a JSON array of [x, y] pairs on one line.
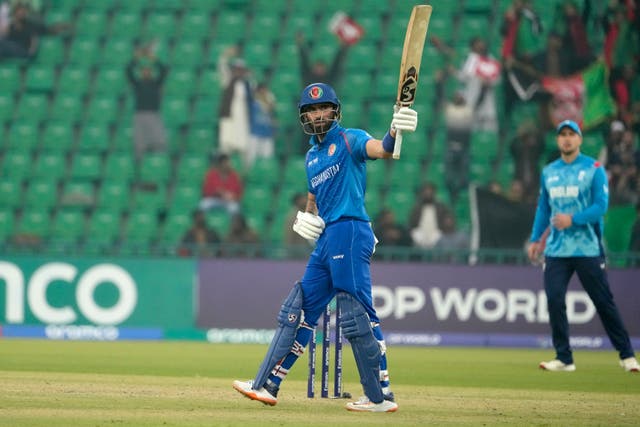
[[543, 212], [600, 200], [357, 143]]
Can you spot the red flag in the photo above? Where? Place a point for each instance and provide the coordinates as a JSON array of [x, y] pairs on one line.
[[347, 30]]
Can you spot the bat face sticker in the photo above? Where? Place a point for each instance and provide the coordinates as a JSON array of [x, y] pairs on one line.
[[409, 85]]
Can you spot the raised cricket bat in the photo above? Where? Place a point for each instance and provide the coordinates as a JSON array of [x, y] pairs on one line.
[[410, 64]]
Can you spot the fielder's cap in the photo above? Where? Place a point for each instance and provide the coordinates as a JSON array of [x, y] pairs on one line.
[[569, 124]]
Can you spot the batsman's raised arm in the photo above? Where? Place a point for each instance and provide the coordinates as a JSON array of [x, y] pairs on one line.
[[404, 119]]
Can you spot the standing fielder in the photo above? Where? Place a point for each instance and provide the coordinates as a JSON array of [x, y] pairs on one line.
[[574, 195], [336, 221]]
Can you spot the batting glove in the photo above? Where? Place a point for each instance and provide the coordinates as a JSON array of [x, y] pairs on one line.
[[404, 119], [309, 226]]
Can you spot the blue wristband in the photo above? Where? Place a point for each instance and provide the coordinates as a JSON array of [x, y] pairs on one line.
[[388, 142]]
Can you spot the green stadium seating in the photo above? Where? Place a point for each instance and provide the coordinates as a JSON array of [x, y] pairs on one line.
[[160, 24], [219, 220], [16, 166], [41, 194], [10, 194], [67, 108], [114, 195], [155, 168], [57, 137], [180, 81], [373, 202], [376, 174], [195, 25], [90, 23], [84, 52], [617, 227], [32, 107], [85, 166], [23, 136], [175, 226], [406, 175], [51, 166], [187, 53], [6, 223], [103, 230], [74, 80], [140, 229], [185, 198], [68, 226], [175, 111], [265, 172], [110, 80], [117, 53], [191, 169], [125, 24], [201, 139], [257, 199], [33, 222], [205, 110], [401, 202], [10, 80], [94, 138], [40, 78], [103, 110], [78, 194], [120, 167], [7, 105], [152, 199]]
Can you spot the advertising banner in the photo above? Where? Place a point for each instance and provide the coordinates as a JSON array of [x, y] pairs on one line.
[[421, 303], [70, 296]]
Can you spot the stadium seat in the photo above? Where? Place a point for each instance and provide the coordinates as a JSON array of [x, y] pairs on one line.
[[66, 108], [68, 226], [78, 194], [6, 223], [41, 194], [94, 137], [405, 175], [201, 139], [185, 198], [175, 226], [85, 166], [294, 170], [125, 24], [187, 53], [155, 168], [51, 166], [175, 111], [219, 220], [265, 172], [40, 78], [153, 199], [32, 107], [34, 223], [103, 230], [84, 52], [16, 166], [400, 202], [160, 24], [114, 195], [195, 25], [140, 230], [257, 200], [10, 80], [191, 169], [57, 137], [180, 81], [90, 24], [74, 80], [10, 194], [111, 81], [117, 53], [23, 136], [617, 227], [7, 105]]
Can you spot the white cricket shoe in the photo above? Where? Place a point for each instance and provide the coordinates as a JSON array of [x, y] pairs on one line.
[[365, 405], [630, 364], [557, 366], [261, 395]]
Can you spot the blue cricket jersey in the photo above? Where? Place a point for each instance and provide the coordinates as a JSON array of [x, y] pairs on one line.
[[579, 188], [336, 174]]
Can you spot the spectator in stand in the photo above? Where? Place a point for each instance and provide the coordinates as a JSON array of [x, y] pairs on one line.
[[240, 236], [480, 74], [634, 244], [527, 148], [626, 91], [199, 240], [312, 71], [222, 186], [235, 106], [291, 238], [570, 24], [263, 124], [22, 30], [623, 170], [426, 217], [522, 40], [452, 239], [459, 119], [612, 141], [146, 74], [388, 231]]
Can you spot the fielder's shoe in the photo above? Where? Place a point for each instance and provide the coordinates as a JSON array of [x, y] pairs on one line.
[[557, 366], [261, 395], [630, 364], [365, 405]]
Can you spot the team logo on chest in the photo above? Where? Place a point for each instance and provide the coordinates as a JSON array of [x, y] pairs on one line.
[[331, 150]]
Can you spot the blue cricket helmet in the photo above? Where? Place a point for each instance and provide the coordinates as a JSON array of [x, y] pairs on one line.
[[318, 93]]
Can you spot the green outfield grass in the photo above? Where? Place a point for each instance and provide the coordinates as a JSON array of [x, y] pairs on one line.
[[52, 383]]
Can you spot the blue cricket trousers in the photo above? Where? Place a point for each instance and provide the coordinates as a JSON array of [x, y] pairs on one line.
[[593, 276]]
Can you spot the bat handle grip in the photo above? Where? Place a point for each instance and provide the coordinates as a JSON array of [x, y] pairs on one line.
[[398, 146]]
